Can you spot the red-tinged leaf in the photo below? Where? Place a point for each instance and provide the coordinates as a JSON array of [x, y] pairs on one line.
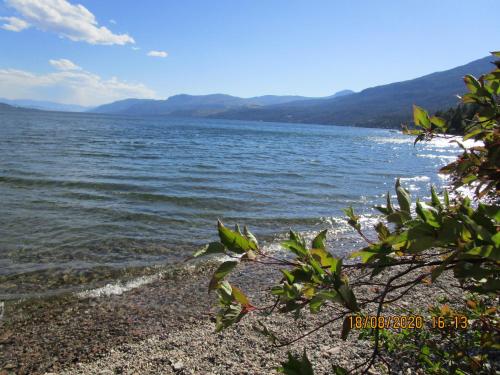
[[240, 297]]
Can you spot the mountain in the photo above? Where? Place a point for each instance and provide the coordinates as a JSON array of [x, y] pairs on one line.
[[340, 93], [44, 105], [6, 107], [120, 106], [198, 105], [381, 106], [10, 108]]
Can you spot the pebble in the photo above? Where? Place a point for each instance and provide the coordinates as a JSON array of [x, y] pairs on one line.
[[97, 335]]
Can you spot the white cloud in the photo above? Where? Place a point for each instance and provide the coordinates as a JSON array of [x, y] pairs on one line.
[[14, 24], [157, 54], [136, 48], [74, 22], [69, 87], [112, 21], [64, 64]]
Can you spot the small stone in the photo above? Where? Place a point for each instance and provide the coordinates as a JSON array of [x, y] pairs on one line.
[[5, 337], [333, 350], [178, 366]]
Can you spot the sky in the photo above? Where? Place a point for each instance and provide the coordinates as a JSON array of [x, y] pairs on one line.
[[90, 52]]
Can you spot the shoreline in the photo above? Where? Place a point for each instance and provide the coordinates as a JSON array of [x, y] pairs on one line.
[[47, 334], [166, 327]]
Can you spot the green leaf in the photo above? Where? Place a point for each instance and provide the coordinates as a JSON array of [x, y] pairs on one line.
[[353, 218], [233, 240], [297, 366], [320, 240], [493, 212], [438, 122], [446, 198], [403, 197], [489, 251], [398, 217], [339, 370], [319, 299], [228, 316], [295, 247], [366, 254], [289, 276], [325, 259], [421, 117], [225, 293], [428, 214], [250, 236], [295, 236], [420, 238], [472, 83], [496, 241], [349, 298], [396, 240], [390, 208], [237, 229], [450, 230], [435, 199], [480, 231], [221, 272], [383, 231], [211, 248]]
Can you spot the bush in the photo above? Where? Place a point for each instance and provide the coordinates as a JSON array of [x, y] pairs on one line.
[[417, 243]]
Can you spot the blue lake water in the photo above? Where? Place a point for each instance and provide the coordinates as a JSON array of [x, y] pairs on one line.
[[83, 193]]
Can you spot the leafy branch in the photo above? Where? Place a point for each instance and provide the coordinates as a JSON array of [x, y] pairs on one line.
[[416, 243]]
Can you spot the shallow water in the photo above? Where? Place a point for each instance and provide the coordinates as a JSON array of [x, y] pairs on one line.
[[85, 196]]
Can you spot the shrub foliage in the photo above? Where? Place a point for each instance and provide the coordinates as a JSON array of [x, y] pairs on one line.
[[417, 242]]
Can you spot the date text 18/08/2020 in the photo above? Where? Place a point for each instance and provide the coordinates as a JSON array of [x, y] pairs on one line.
[[407, 322]]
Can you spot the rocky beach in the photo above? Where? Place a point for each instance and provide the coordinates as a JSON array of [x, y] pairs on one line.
[[166, 327]]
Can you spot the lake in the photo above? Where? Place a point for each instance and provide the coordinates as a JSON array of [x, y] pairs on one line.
[[85, 196]]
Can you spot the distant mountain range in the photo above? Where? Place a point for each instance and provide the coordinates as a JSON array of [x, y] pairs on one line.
[[199, 105], [6, 107], [382, 106], [44, 105]]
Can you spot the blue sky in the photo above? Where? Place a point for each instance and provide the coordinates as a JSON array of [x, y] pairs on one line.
[[92, 52]]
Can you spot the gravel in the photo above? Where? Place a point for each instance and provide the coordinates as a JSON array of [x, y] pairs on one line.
[[166, 327]]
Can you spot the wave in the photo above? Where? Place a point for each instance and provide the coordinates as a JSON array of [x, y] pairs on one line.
[[119, 287], [434, 156], [416, 178], [39, 182]]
